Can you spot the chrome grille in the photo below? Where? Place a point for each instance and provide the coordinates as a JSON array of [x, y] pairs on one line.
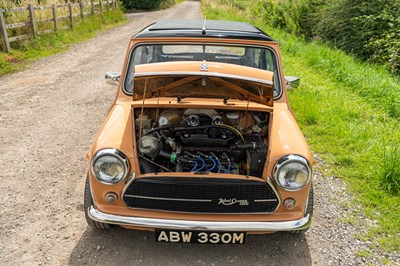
[[201, 195]]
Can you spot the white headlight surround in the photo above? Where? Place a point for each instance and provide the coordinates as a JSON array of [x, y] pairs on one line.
[[292, 172], [110, 166]]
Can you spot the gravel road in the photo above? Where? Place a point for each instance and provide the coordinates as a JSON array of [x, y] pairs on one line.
[[49, 115]]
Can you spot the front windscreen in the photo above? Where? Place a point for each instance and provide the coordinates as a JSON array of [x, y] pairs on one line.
[[249, 56]]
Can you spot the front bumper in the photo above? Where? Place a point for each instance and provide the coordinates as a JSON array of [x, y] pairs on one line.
[[99, 216]]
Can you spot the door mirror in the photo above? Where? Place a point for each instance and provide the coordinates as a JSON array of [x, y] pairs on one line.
[[292, 82], [112, 78]]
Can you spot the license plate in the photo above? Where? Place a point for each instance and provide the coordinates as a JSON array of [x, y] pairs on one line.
[[201, 237]]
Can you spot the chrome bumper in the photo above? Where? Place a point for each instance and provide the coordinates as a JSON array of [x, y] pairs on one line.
[[199, 225]]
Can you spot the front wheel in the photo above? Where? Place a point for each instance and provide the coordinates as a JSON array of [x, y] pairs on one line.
[[87, 202]]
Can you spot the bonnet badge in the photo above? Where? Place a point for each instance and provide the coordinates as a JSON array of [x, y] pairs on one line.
[[204, 67]]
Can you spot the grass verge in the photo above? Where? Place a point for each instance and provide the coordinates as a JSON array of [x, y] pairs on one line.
[[50, 44], [349, 112]]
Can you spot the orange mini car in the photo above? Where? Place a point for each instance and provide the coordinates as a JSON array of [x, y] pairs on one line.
[[200, 144]]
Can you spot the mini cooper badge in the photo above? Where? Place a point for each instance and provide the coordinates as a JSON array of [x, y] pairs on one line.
[[232, 201], [204, 67]]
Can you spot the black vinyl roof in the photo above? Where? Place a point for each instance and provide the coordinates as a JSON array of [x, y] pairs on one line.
[[203, 28]]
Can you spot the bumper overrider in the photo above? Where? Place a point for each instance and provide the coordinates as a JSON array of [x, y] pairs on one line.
[[99, 216]]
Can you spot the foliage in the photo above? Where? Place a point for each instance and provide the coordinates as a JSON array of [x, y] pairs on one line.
[[349, 112], [168, 3], [295, 16], [147, 4], [141, 4], [384, 48], [370, 29]]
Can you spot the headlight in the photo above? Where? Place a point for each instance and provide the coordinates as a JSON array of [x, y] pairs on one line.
[[110, 166], [292, 172]]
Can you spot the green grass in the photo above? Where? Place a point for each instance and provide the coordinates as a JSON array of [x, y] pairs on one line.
[[350, 114], [391, 173], [50, 44]]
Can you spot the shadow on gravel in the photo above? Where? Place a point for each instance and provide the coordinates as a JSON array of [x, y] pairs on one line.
[[129, 247]]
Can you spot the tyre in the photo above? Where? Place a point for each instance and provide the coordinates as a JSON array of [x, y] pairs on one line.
[[310, 210], [87, 202]]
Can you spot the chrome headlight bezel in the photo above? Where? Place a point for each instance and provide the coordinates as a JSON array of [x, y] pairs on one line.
[[287, 160], [116, 154]]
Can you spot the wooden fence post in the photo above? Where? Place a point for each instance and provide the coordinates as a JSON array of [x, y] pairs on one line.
[[101, 7], [108, 5], [4, 31], [54, 9], [71, 17], [116, 4], [32, 19], [81, 8], [92, 7]]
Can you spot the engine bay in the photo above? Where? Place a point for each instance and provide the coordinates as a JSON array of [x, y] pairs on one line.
[[201, 140]]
